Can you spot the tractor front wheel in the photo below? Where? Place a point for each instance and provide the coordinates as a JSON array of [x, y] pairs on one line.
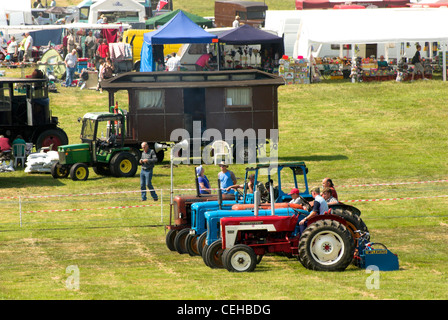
[[201, 242], [240, 258], [326, 245], [213, 255], [169, 240], [79, 171], [191, 244], [179, 241]]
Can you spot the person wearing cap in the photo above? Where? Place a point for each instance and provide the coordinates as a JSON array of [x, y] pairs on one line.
[[236, 22], [227, 178], [297, 199], [204, 184], [294, 193]]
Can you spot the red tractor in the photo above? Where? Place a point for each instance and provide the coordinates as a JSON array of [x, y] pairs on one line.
[[325, 245]]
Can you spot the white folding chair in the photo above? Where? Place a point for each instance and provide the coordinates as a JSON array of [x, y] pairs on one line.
[[221, 149]]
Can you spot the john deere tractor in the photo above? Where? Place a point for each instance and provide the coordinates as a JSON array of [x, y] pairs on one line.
[[102, 148]]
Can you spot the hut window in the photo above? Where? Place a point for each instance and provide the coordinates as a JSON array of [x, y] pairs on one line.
[[239, 97], [151, 99], [5, 99]]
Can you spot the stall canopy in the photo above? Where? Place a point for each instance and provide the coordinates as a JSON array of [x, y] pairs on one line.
[[179, 29], [415, 25], [247, 34], [154, 22], [328, 4]]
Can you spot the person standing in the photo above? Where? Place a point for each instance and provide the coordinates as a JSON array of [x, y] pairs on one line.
[[173, 63], [90, 43], [147, 160], [236, 22], [28, 47], [103, 49], [227, 178], [13, 49], [418, 63], [70, 62]]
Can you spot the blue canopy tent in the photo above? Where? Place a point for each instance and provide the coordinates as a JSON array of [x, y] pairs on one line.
[[180, 29]]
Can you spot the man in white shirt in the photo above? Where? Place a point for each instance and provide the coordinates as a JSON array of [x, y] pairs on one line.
[[236, 22], [173, 63], [70, 62]]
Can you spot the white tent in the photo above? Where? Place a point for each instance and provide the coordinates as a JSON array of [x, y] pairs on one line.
[[372, 26], [18, 12], [110, 6]]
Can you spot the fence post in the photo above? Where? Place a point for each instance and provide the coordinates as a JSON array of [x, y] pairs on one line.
[[161, 205], [20, 210]]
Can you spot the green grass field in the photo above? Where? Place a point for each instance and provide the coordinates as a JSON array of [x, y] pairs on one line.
[[364, 133], [377, 134]]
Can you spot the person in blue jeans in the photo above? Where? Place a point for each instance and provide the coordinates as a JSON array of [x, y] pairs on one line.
[[147, 160], [70, 60]]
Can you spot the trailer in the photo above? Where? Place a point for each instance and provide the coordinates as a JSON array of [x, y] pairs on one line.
[[198, 106]]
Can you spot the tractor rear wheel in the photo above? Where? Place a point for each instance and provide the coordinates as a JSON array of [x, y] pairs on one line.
[[169, 240], [239, 258], [214, 255], [79, 171], [123, 164], [179, 241], [326, 245], [191, 244]]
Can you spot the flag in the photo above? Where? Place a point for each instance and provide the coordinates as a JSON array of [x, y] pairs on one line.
[[161, 4]]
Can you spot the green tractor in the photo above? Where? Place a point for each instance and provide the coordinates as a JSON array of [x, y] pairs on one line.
[[104, 151]]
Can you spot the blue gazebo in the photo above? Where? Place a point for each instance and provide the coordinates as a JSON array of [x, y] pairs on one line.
[[180, 29]]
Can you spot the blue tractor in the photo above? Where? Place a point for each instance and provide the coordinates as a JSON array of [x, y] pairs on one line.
[[195, 235]]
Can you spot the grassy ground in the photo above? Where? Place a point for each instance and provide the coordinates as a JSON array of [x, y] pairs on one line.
[[364, 133]]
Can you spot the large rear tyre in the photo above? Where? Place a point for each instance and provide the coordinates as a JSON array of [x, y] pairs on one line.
[[179, 240], [239, 258], [52, 137], [213, 255], [326, 245], [123, 164], [79, 171]]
